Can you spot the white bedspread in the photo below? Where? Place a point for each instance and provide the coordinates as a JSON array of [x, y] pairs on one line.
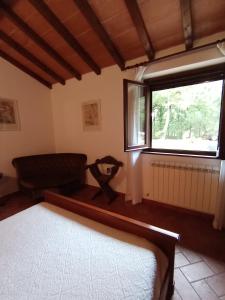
[[49, 253]]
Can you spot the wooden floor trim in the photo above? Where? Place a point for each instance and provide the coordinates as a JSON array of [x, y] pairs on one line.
[[200, 214]]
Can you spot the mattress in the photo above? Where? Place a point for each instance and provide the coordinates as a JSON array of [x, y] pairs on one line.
[[49, 253]]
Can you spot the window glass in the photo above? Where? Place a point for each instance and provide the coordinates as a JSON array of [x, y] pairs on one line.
[[187, 117], [136, 108]]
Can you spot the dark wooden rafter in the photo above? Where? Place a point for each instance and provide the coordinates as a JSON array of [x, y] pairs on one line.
[[185, 6], [9, 13], [96, 25], [138, 21], [16, 46], [58, 26], [25, 69]]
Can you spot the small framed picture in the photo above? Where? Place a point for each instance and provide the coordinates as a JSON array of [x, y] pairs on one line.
[[91, 113], [9, 115]]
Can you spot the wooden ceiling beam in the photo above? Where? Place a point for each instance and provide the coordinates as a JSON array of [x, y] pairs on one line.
[[9, 13], [28, 55], [138, 21], [58, 26], [25, 69], [96, 25], [185, 6]]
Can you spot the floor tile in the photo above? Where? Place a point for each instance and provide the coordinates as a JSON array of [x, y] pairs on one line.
[[204, 291], [177, 249], [183, 287], [216, 266], [217, 283], [176, 296], [193, 257], [196, 233], [180, 260], [196, 271]]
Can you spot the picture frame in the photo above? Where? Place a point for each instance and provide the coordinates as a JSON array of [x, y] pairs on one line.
[[91, 114], [9, 115]]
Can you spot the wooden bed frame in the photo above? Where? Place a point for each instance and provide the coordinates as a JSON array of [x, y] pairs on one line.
[[164, 239]]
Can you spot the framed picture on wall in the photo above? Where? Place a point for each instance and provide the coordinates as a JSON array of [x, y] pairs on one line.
[[9, 115], [91, 114]]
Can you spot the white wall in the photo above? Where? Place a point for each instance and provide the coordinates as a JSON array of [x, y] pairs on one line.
[[69, 134], [39, 131], [36, 129]]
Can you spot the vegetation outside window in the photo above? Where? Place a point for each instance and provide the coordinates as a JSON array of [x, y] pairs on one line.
[[181, 114], [187, 117]]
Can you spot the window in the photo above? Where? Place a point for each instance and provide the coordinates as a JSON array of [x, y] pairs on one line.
[[187, 117], [182, 113], [135, 117]]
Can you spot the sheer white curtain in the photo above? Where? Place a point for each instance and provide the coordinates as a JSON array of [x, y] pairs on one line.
[[219, 220], [134, 160]]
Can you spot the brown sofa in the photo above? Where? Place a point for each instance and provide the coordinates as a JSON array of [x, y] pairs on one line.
[[65, 171]]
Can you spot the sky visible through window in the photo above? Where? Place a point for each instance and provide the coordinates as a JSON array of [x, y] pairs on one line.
[[187, 117]]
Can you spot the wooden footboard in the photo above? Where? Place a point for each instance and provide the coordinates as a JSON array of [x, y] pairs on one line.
[[164, 239]]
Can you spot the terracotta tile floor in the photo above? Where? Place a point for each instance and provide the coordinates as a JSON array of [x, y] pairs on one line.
[[200, 254], [198, 276]]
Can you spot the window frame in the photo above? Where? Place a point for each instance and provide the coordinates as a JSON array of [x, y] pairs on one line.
[[128, 148], [211, 73]]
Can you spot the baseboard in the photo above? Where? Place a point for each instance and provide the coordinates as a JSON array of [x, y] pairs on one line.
[[192, 212], [8, 185], [203, 215], [5, 198]]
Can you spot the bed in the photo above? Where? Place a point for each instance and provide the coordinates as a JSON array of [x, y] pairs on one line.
[[66, 249]]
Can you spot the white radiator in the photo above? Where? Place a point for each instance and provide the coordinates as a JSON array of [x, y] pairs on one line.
[[190, 186]]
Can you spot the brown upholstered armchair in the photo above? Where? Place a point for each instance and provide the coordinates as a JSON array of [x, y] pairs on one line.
[[65, 171]]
